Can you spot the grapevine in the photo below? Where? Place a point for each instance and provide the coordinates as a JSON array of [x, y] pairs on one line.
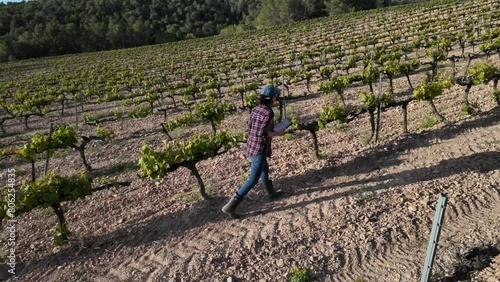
[[157, 164]]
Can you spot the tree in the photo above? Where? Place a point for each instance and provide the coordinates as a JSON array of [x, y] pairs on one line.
[[269, 14], [277, 12], [5, 50], [343, 6], [115, 34], [140, 32]]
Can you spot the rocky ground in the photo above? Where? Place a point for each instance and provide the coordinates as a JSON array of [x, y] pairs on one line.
[[363, 212]]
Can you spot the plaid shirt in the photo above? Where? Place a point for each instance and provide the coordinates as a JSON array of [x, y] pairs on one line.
[[260, 123]]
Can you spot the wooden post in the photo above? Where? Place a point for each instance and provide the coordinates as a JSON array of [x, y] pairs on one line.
[[48, 151], [76, 114], [379, 98], [283, 94]]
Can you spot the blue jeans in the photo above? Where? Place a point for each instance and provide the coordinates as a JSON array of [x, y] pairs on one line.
[[260, 169]]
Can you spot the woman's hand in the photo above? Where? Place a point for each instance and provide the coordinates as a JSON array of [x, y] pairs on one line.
[[276, 133]]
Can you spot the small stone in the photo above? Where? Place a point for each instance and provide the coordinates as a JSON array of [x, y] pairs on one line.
[[412, 208], [280, 263], [230, 279], [362, 236]]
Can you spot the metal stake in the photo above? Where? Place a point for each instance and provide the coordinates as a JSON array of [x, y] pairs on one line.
[[433, 241]]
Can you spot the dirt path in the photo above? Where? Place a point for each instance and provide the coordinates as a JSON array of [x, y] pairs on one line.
[[365, 215]]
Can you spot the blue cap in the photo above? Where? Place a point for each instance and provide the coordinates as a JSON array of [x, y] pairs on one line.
[[269, 91]]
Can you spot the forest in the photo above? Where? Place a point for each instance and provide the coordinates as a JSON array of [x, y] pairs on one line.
[[55, 27]]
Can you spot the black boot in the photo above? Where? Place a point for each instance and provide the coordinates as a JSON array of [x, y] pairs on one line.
[[273, 195], [231, 206]]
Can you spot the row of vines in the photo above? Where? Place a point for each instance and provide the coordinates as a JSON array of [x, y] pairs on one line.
[[203, 81]]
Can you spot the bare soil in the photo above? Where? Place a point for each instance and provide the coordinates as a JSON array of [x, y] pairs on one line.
[[363, 211]]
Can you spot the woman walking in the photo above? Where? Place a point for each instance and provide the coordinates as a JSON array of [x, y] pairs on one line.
[[260, 134]]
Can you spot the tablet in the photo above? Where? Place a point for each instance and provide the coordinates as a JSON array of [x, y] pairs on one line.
[[283, 125]]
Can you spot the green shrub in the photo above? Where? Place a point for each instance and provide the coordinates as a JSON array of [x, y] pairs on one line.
[[362, 198], [142, 112], [496, 96], [298, 274], [428, 122], [469, 109]]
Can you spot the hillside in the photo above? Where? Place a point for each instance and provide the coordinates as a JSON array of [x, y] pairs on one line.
[[366, 215], [354, 209]]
